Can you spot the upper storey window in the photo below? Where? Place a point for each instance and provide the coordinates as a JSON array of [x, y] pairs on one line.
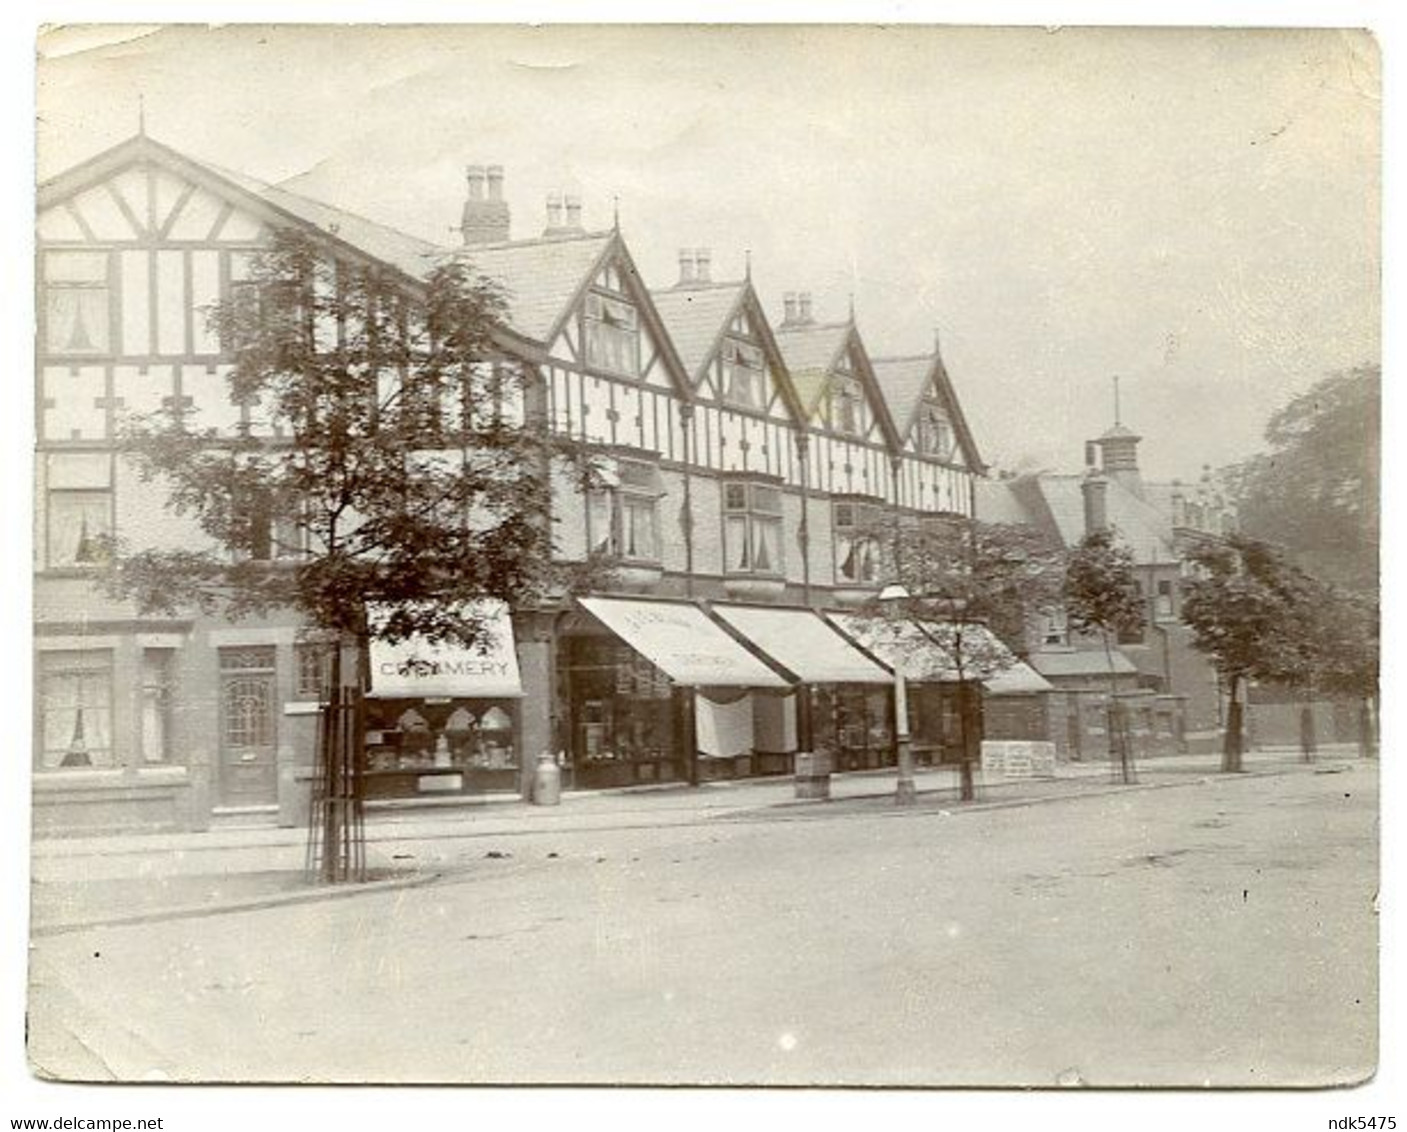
[[612, 335], [742, 375], [848, 407], [76, 302], [935, 433]]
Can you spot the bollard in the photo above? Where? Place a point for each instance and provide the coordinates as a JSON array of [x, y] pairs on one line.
[[547, 781]]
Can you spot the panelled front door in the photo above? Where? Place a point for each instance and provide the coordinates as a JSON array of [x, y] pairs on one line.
[[248, 767]]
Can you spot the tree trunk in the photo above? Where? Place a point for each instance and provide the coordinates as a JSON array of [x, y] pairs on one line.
[[1308, 743], [1118, 741], [1231, 748], [1367, 748]]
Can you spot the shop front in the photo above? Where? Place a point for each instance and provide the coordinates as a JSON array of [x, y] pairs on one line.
[[845, 703], [997, 696], [656, 691], [443, 719]]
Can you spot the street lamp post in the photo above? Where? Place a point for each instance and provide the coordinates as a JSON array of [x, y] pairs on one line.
[[905, 792]]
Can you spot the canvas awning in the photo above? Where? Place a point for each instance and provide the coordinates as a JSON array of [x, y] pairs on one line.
[[802, 642], [414, 667], [680, 639], [929, 653]]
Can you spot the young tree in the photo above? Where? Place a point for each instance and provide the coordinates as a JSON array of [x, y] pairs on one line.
[[1241, 608], [392, 473], [961, 575], [1101, 596]]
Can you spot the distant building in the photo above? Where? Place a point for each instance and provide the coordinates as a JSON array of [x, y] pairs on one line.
[[1159, 522]]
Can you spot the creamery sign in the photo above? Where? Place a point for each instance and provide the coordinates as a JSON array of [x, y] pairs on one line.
[[415, 668]]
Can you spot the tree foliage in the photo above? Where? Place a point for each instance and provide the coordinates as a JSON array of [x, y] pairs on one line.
[[1101, 596], [1316, 490], [1244, 605], [1101, 591], [960, 573], [391, 464]]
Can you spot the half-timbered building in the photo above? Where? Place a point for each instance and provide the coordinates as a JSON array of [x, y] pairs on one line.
[[741, 467]]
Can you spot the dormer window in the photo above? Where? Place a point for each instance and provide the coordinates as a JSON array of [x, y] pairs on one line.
[[848, 407], [612, 335], [742, 375], [935, 433]]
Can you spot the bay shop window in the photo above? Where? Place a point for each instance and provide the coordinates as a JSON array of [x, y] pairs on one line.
[[622, 517], [752, 528]]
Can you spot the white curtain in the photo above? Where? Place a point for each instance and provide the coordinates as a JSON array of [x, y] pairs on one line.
[[76, 710]]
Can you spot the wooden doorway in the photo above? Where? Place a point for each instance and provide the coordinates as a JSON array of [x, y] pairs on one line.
[[248, 759]]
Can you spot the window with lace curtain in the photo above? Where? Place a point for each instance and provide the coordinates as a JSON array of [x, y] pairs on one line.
[[752, 528], [742, 375], [79, 509], [857, 552], [77, 302], [623, 517], [74, 690], [612, 335]]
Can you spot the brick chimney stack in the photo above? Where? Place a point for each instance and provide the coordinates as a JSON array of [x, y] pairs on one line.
[[703, 260], [789, 309], [686, 267], [485, 219], [1096, 491]]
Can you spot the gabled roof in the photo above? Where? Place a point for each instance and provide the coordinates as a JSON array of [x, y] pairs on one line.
[[346, 233], [697, 318], [903, 382], [810, 351], [541, 278], [411, 256]]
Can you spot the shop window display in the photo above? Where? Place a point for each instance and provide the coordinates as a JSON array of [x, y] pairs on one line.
[[420, 746], [622, 713]]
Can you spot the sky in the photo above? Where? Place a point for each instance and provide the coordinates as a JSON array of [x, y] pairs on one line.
[[1192, 210]]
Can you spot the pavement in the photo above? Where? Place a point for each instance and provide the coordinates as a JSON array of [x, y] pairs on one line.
[[83, 882]]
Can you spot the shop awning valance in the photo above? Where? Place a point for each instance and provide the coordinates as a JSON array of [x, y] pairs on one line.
[[415, 668], [929, 653], [802, 642], [681, 640]]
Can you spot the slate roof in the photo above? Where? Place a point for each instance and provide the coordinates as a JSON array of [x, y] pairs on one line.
[[1056, 503], [902, 381], [809, 350], [539, 277], [695, 317], [409, 254], [1080, 662]]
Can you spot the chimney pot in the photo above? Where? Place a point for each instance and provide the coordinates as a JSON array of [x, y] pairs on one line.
[[476, 182], [789, 308], [554, 211], [495, 177], [703, 259], [573, 204], [686, 265], [803, 306]]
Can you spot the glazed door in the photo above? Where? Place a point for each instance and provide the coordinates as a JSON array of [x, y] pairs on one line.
[[248, 767]]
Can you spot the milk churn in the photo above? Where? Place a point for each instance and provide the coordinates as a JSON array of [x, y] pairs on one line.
[[547, 780]]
